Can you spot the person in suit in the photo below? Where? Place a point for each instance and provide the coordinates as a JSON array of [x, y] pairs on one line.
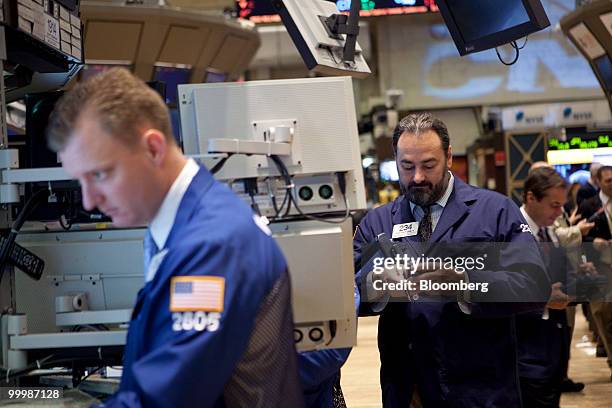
[[599, 209], [543, 335], [597, 206], [454, 352], [212, 325], [591, 188]]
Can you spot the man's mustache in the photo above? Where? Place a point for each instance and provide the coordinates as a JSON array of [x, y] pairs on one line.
[[420, 186]]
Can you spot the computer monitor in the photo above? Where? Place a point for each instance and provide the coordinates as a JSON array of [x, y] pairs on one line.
[[172, 77], [604, 70], [478, 25], [320, 112]]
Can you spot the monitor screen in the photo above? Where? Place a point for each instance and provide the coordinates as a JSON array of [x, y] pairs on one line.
[[478, 25], [388, 171], [213, 77], [604, 69], [574, 173], [477, 19], [172, 76]]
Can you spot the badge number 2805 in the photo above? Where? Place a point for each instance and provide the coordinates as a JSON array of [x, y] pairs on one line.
[[198, 321]]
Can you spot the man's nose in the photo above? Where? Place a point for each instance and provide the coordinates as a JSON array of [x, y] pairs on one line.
[[90, 196], [419, 176]]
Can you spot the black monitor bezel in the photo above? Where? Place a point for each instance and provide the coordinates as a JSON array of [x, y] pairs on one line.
[[537, 21]]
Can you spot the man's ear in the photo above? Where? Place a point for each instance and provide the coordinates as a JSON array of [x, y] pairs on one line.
[[449, 157], [529, 197], [155, 145]]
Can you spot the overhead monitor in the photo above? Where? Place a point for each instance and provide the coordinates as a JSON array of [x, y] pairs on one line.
[[478, 25], [321, 51]]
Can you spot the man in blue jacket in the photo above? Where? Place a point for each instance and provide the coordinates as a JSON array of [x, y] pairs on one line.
[[458, 351], [212, 326], [543, 335]]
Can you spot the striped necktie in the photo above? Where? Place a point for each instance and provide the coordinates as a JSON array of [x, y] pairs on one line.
[[425, 226]]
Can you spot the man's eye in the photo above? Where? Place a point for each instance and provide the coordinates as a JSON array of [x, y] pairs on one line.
[[99, 175]]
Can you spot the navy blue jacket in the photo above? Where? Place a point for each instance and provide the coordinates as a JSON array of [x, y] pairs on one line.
[[243, 355], [542, 343], [456, 359]]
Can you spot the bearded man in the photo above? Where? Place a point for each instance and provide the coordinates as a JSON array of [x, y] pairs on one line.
[[459, 350]]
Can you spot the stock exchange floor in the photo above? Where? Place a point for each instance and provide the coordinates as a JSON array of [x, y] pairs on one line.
[[360, 383]]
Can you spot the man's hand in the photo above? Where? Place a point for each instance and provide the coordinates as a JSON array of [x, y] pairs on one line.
[[587, 269], [391, 277], [585, 226], [574, 217], [601, 244], [558, 299], [438, 276]]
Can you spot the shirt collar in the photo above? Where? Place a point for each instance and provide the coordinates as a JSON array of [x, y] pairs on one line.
[[442, 201], [604, 198], [535, 228], [162, 223]]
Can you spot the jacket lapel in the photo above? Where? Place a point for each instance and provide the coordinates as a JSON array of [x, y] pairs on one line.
[[455, 209]]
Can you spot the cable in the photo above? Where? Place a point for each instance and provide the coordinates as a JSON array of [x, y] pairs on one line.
[[220, 164], [82, 380], [524, 44], [516, 55], [289, 186]]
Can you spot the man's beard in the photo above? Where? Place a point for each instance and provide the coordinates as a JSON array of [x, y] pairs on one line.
[[426, 193]]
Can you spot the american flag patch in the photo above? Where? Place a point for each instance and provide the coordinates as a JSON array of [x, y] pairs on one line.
[[197, 293]]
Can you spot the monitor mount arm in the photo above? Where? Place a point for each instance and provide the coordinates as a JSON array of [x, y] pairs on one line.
[[338, 24]]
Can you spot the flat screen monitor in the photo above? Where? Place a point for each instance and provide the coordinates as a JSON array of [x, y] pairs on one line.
[[478, 25], [213, 77], [388, 171], [172, 77], [574, 173], [604, 69]]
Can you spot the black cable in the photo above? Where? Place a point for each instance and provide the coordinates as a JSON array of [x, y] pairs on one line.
[[516, 55], [289, 186], [524, 44], [82, 380], [215, 169]]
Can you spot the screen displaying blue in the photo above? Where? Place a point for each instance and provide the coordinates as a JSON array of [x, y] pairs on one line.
[[604, 66], [480, 18], [172, 77]]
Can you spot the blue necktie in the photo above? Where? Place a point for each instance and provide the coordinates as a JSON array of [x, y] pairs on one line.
[[150, 249]]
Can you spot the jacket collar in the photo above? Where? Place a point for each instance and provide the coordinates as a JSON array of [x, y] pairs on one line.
[[200, 185]]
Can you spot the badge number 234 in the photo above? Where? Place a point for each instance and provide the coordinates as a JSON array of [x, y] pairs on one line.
[[198, 321]]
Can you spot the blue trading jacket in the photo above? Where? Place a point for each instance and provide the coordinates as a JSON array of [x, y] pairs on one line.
[[241, 356], [457, 359]]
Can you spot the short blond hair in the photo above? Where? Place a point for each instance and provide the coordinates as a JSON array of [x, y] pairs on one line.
[[120, 101]]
